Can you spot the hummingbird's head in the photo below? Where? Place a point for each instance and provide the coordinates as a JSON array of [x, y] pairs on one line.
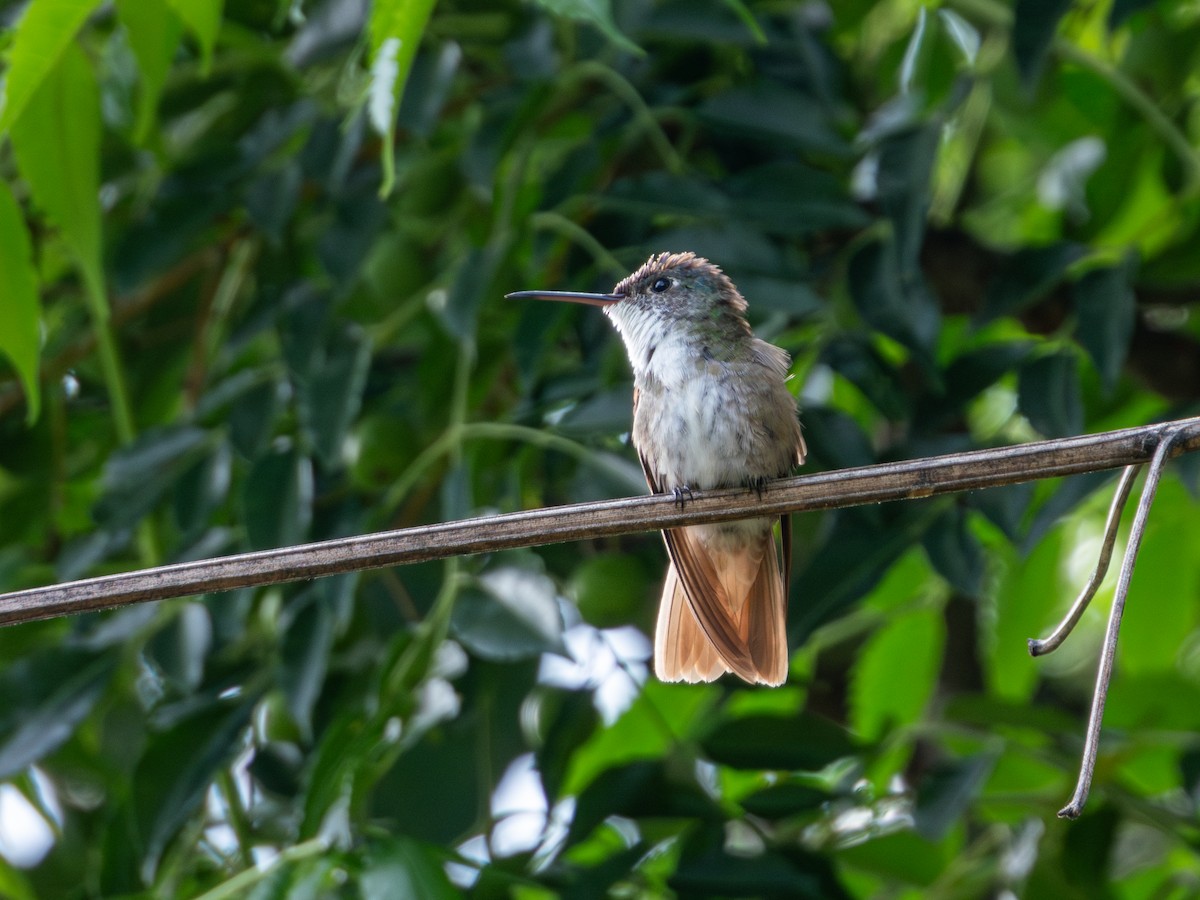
[[669, 290], [680, 286]]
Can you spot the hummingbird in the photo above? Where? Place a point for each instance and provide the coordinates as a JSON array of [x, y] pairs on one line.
[[711, 409]]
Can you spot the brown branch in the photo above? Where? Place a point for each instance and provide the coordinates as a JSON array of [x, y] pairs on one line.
[[827, 490]]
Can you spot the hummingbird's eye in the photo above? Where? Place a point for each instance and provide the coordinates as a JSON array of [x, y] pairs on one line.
[[660, 285]]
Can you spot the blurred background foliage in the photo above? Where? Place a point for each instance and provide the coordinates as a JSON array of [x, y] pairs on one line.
[[252, 298]]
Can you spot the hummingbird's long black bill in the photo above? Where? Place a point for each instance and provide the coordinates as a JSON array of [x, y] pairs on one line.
[[567, 296]]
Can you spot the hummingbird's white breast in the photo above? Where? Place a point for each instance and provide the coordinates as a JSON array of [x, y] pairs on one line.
[[702, 421]]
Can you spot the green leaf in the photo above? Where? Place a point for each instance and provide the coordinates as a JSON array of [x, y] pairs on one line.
[[330, 392], [202, 488], [966, 378], [707, 868], [57, 144], [806, 742], [897, 672], [252, 416], [661, 717], [961, 33], [274, 768], [14, 884], [305, 659], [344, 744], [400, 867], [769, 112], [137, 476], [412, 796], [592, 12], [395, 30], [785, 198], [611, 589], [565, 720], [154, 32], [1107, 311], [514, 616], [20, 337], [203, 20], [1089, 847], [181, 647], [1028, 275], [892, 298], [1027, 596], [177, 769], [49, 695], [1161, 610], [947, 791], [779, 801], [277, 499], [1034, 24], [644, 789], [1049, 395], [460, 309], [903, 855], [902, 184], [1123, 9], [955, 552], [659, 193], [856, 358], [856, 553], [44, 32]]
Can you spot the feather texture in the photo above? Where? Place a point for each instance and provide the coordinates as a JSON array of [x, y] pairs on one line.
[[711, 409], [723, 609]]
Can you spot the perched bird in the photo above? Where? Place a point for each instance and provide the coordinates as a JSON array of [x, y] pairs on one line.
[[711, 409]]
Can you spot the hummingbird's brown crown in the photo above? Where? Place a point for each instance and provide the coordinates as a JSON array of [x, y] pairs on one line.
[[686, 270]]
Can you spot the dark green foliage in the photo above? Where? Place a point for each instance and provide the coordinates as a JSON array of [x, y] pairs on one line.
[[260, 347]]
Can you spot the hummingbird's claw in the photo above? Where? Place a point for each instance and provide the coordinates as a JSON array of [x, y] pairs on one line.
[[682, 494], [758, 484]]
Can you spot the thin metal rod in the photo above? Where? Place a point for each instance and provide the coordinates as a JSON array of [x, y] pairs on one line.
[[1091, 743], [827, 490], [1054, 641]]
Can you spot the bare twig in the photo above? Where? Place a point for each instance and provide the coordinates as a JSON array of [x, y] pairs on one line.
[[1052, 643], [1091, 743], [827, 490]]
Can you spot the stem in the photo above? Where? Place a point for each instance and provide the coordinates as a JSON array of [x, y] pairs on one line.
[[118, 395], [236, 816], [996, 14], [114, 380], [1052, 643], [626, 92], [1091, 744], [1141, 104], [572, 231], [237, 885], [454, 436]]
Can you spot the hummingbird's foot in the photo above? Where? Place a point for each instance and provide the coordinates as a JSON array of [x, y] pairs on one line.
[[758, 485], [682, 494]]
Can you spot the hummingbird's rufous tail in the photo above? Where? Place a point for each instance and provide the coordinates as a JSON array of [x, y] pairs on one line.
[[724, 607]]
